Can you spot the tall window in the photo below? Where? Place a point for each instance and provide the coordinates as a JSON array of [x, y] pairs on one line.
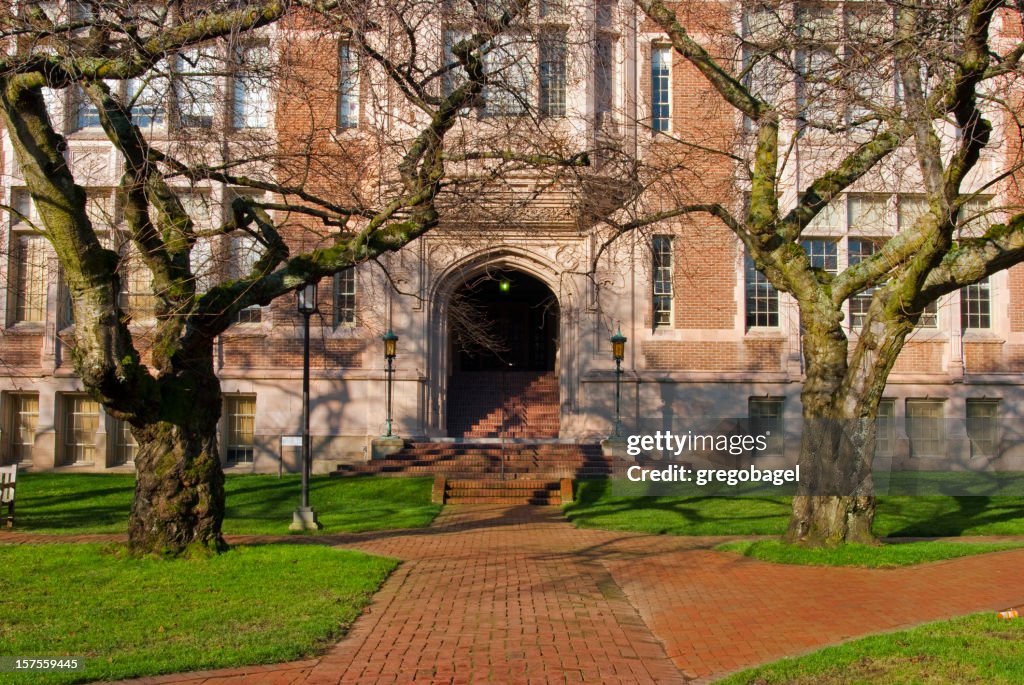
[[762, 69], [241, 424], [245, 253], [885, 428], [860, 250], [983, 426], [81, 420], [762, 299], [661, 88], [510, 68], [552, 73], [31, 279], [976, 306], [195, 88], [662, 267], [136, 296], [251, 104], [22, 420], [345, 298], [766, 419], [348, 85], [926, 427]]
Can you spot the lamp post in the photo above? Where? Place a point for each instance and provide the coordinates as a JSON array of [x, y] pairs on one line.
[[390, 350], [304, 517], [618, 342]]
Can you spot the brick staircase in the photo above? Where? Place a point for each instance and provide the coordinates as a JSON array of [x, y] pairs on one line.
[[516, 404], [490, 473]]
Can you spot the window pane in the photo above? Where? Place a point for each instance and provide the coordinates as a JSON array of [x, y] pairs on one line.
[[552, 74], [81, 420], [345, 298], [860, 250], [823, 254], [241, 418], [926, 427], [125, 447], [196, 88], [661, 88], [885, 428], [24, 418], [867, 213], [662, 268], [136, 296], [762, 299], [147, 96], [510, 74], [348, 86], [976, 306], [32, 279], [252, 87], [766, 419], [983, 426], [911, 208], [976, 217]]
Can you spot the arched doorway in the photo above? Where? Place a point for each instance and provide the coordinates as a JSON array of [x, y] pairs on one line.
[[503, 335]]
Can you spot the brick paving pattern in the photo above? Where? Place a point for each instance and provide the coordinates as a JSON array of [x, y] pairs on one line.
[[517, 595]]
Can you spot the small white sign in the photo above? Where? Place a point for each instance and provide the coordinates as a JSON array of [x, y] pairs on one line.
[[291, 441]]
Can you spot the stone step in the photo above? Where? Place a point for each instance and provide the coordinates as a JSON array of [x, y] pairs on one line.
[[524, 501], [523, 484]]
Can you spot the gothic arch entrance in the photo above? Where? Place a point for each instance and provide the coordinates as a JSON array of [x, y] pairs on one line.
[[503, 333]]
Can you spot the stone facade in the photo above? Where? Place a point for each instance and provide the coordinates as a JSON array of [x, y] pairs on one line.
[[703, 359]]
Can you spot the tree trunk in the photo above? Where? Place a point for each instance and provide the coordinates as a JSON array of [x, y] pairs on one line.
[[179, 487], [829, 521], [835, 502]]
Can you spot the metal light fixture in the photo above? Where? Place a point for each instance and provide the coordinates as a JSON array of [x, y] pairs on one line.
[[304, 517], [618, 342], [390, 351], [306, 299]]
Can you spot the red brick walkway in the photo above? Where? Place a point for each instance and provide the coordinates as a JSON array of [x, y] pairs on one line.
[[492, 595]]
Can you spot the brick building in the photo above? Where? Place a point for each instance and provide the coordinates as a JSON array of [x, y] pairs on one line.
[[708, 336]]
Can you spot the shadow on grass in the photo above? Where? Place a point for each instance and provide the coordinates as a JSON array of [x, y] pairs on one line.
[[949, 516], [897, 516], [596, 507]]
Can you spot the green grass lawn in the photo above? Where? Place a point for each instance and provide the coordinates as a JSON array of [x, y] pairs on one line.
[[971, 650], [866, 556], [132, 617], [256, 504], [931, 516]]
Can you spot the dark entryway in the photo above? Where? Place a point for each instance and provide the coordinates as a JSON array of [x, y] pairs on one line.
[[503, 328]]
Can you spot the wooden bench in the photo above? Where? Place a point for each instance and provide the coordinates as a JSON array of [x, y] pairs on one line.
[[8, 478]]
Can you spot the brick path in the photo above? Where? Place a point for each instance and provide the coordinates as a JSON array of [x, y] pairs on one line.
[[493, 595]]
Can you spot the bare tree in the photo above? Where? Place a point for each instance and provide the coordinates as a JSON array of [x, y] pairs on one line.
[[881, 96], [184, 92]]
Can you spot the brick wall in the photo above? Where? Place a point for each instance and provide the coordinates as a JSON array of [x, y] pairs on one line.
[[20, 350], [286, 353], [983, 357], [705, 281], [748, 355], [921, 357]]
